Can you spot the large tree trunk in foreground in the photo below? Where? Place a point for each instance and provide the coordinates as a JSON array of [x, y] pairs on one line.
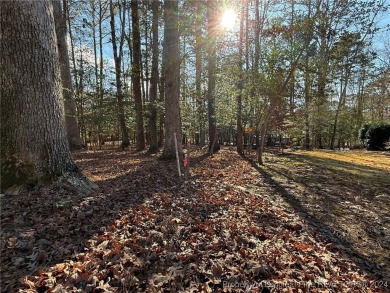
[[34, 147], [72, 128], [172, 80]]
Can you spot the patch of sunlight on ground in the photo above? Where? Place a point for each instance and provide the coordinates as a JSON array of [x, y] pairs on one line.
[[376, 160]]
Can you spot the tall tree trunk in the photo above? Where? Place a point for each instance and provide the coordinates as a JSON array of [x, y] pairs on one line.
[[97, 78], [256, 59], [145, 65], [212, 56], [153, 143], [77, 76], [161, 116], [360, 100], [240, 85], [162, 102], [307, 105], [101, 61], [198, 74], [72, 128], [34, 147], [136, 76], [172, 80], [340, 105], [292, 44], [118, 72], [80, 95], [263, 133], [321, 95], [307, 81]]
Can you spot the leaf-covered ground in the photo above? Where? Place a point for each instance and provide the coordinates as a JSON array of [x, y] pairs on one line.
[[345, 194], [233, 227]]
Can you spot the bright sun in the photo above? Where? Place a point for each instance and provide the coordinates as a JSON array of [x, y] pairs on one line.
[[229, 19]]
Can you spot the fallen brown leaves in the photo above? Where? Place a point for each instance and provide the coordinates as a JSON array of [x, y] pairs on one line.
[[345, 195], [224, 230]]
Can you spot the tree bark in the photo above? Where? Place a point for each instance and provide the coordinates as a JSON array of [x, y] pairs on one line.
[[212, 56], [118, 74], [161, 101], [340, 105], [200, 103], [34, 146], [161, 114], [240, 86], [172, 81], [101, 60], [72, 128], [153, 143], [307, 79], [136, 76]]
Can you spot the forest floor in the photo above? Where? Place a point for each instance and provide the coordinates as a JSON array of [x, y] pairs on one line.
[[314, 221]]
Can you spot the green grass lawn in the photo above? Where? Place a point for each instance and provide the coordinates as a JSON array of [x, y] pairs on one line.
[[353, 166]]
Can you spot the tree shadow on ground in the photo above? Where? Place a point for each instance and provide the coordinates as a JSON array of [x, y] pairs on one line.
[[143, 201], [327, 201], [49, 226], [361, 173], [46, 227]]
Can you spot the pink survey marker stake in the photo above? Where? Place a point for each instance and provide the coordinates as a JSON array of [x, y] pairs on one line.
[[177, 154]]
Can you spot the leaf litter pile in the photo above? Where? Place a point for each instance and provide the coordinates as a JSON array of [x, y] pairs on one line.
[[226, 229]]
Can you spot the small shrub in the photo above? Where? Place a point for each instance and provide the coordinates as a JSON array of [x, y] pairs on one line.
[[375, 137]]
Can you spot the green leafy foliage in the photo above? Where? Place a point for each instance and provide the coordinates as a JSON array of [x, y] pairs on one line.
[[375, 137]]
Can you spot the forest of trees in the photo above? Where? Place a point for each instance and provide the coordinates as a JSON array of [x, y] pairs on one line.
[[304, 73]]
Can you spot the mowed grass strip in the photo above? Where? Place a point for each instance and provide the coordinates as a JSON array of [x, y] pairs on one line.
[[361, 166], [377, 160]]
